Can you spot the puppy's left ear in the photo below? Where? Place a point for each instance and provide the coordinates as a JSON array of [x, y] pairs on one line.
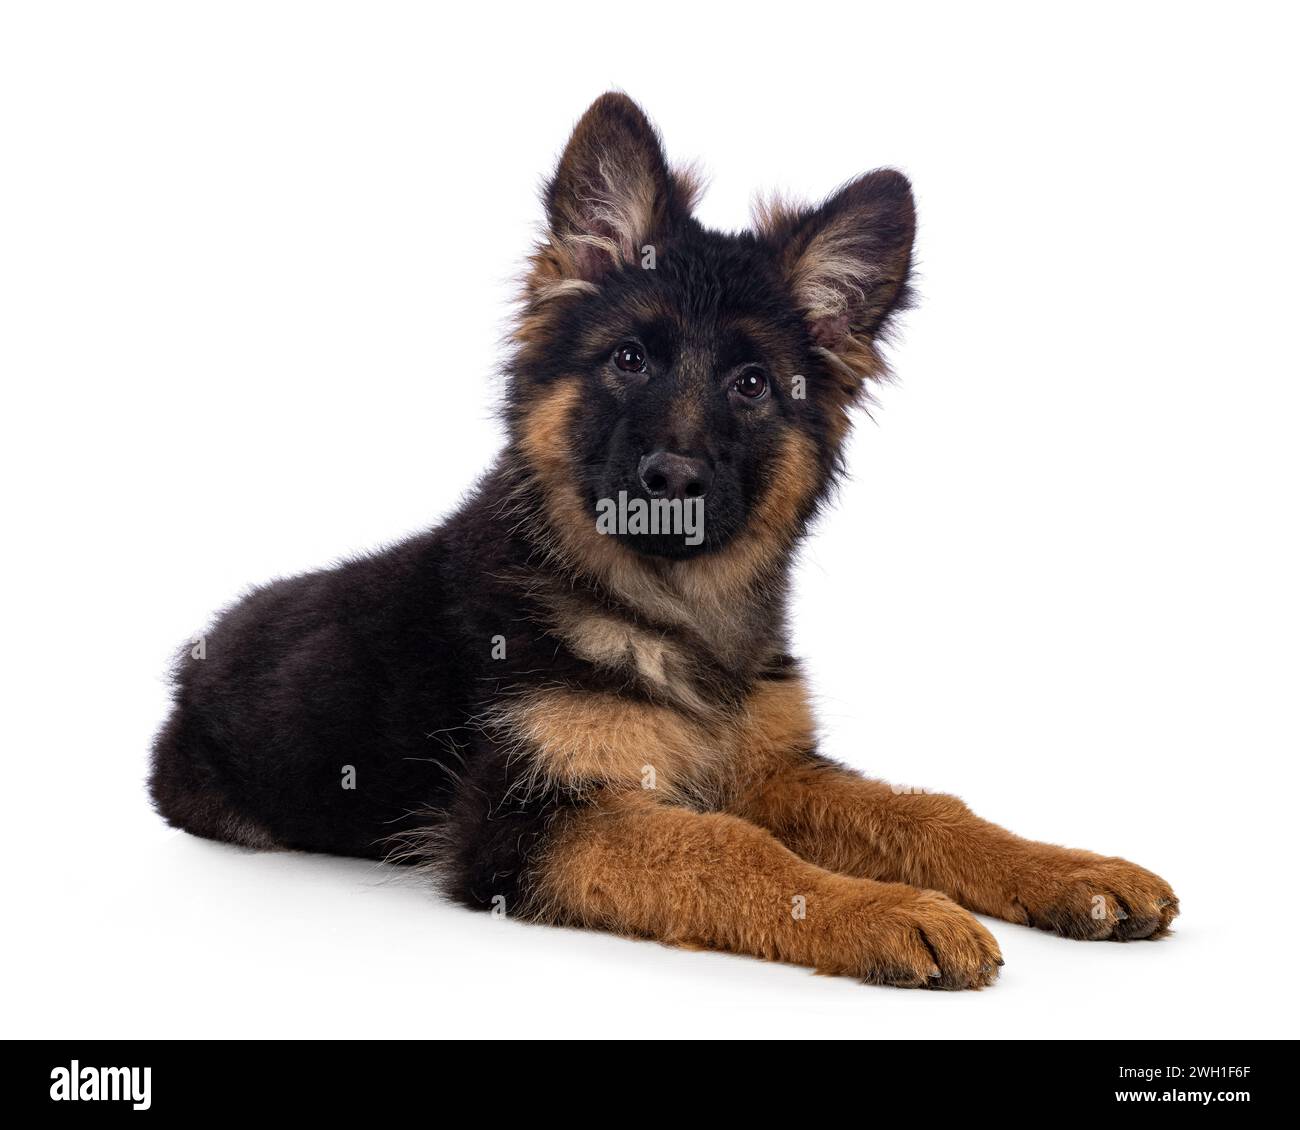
[[847, 262], [612, 192]]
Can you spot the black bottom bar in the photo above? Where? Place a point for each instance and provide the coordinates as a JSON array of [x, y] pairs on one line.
[[214, 1078]]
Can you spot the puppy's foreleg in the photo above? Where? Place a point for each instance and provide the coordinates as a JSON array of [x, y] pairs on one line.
[[849, 824], [638, 866]]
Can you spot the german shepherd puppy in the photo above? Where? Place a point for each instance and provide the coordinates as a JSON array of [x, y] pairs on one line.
[[601, 726]]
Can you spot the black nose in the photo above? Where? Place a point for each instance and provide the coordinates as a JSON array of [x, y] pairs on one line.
[[667, 475]]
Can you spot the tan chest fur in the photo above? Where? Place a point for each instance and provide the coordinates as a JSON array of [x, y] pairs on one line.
[[614, 644], [581, 740]]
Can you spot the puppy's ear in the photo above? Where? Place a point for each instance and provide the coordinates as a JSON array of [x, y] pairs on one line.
[[847, 262], [611, 194]]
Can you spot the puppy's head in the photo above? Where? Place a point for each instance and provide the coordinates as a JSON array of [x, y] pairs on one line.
[[662, 363]]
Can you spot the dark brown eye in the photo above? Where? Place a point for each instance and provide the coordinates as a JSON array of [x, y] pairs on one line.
[[751, 384], [630, 357]]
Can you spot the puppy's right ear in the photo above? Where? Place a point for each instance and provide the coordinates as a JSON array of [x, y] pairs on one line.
[[611, 194], [847, 263]]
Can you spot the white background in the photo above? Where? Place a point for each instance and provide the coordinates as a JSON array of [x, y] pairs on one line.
[[255, 264]]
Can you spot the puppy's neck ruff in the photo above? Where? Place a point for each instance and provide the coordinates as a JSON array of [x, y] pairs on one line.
[[724, 599]]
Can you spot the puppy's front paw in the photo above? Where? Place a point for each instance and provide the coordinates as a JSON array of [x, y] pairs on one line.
[[1081, 895], [929, 942]]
